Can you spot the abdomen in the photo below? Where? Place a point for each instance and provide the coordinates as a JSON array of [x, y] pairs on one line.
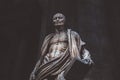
[[56, 49]]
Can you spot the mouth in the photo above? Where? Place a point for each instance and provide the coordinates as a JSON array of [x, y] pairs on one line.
[[59, 24]]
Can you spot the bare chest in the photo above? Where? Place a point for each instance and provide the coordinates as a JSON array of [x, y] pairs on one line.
[[61, 37]]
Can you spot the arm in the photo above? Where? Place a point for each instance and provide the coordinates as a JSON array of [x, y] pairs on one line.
[[42, 54], [86, 57], [32, 75], [84, 53]]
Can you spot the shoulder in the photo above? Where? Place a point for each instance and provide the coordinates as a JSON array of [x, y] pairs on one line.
[[75, 34], [49, 36], [77, 37]]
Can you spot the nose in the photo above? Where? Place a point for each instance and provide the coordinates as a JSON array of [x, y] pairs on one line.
[[57, 18]]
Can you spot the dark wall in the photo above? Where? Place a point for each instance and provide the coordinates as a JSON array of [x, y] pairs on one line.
[[25, 23]]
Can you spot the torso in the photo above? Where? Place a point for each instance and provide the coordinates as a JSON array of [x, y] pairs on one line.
[[58, 45]]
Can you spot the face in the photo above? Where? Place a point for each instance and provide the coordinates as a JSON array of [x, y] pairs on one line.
[[58, 19]]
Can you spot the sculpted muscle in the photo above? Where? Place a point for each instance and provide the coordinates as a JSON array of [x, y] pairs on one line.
[[58, 45]]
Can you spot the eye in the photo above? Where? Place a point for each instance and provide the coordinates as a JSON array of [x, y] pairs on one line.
[[60, 17], [55, 18]]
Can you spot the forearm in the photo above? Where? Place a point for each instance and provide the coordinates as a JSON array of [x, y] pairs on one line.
[[86, 57], [36, 66]]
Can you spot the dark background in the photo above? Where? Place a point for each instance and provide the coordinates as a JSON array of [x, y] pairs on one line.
[[25, 23]]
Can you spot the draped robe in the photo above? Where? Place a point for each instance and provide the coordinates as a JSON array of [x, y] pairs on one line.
[[61, 65]]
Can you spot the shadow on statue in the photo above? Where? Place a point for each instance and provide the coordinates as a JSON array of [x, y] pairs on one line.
[[78, 71]]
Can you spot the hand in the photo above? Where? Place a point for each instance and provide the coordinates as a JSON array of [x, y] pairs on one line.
[[32, 76], [61, 76]]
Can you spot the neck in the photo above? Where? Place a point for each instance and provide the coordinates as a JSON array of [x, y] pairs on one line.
[[59, 29]]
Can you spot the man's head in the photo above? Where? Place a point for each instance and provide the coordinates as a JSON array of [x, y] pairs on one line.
[[58, 19]]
